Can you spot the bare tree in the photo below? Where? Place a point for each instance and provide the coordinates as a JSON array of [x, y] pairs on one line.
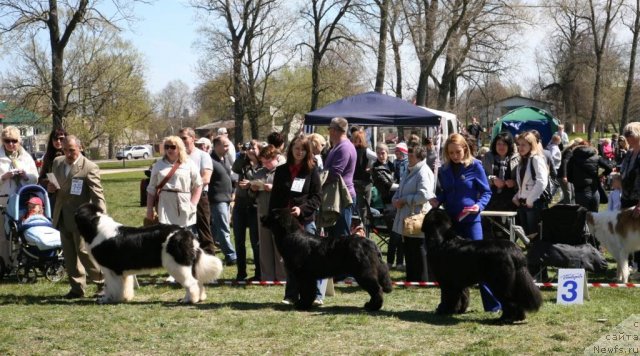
[[60, 18], [397, 35], [431, 27], [173, 104], [478, 46], [634, 27], [601, 18], [241, 22], [324, 17]]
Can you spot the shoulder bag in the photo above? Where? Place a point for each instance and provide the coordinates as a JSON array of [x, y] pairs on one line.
[[412, 224], [154, 220]]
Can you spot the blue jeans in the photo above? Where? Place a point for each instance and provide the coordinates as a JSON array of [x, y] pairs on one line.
[[220, 229], [246, 217], [343, 225]]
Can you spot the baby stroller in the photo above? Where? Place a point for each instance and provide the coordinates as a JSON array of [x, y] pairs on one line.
[[36, 248]]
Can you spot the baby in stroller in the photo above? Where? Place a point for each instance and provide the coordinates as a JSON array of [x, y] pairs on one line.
[[36, 248]]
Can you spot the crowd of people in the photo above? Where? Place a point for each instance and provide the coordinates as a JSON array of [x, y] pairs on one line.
[[203, 185]]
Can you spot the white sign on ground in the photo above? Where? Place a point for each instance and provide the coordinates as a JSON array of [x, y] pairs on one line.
[[571, 285]]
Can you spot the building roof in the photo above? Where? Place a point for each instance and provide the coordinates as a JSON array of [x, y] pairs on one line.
[[17, 116]]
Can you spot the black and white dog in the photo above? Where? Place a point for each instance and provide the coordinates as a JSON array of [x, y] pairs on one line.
[[123, 251]]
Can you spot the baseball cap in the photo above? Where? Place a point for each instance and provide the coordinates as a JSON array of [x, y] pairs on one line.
[[222, 131], [402, 147], [35, 201], [203, 141]]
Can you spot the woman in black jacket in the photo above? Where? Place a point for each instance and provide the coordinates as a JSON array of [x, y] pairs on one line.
[[582, 172], [296, 185]]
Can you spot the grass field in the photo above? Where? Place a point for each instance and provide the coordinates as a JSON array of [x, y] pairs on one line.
[[250, 320]]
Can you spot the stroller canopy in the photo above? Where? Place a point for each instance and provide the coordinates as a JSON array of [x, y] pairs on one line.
[[17, 204]]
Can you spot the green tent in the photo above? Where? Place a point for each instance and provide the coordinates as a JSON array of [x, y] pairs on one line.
[[527, 118]]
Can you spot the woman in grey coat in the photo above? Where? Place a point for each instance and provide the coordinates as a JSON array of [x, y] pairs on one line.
[[415, 190]]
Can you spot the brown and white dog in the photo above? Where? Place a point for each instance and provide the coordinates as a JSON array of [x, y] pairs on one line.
[[619, 232]]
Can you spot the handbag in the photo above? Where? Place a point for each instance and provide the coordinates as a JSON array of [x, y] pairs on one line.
[[155, 220], [549, 190], [412, 224]]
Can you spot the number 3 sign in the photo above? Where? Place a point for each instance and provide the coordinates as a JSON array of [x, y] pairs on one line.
[[571, 286]]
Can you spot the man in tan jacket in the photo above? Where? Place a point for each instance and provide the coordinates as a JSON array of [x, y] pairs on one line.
[[79, 183]]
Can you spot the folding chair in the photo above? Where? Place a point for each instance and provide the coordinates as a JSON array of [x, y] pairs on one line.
[[378, 224]]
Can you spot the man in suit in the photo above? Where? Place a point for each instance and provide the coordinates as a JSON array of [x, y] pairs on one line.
[[79, 183]]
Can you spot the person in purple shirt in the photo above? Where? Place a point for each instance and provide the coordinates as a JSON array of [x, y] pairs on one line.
[[465, 193], [341, 162]]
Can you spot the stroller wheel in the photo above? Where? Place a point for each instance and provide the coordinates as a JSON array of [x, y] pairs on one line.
[[55, 271], [26, 274]]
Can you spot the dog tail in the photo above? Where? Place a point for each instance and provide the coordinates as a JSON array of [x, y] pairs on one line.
[[383, 277], [207, 267], [527, 294]]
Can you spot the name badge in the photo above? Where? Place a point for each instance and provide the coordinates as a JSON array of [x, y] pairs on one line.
[[297, 185], [76, 186]]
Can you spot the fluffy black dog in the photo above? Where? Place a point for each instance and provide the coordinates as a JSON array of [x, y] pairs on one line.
[[308, 257], [458, 263]]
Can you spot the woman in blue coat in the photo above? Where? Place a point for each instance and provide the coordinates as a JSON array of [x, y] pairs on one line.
[[465, 192]]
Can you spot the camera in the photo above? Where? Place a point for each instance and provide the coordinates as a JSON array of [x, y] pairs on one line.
[[247, 146]]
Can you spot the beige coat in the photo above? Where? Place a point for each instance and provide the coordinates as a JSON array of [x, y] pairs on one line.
[[87, 176]]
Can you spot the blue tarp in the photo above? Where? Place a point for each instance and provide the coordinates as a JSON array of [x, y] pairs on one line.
[[373, 108]]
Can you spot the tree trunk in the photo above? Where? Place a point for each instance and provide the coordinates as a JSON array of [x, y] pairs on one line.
[[632, 66], [57, 86], [382, 46], [315, 81], [423, 84], [596, 101], [238, 105]]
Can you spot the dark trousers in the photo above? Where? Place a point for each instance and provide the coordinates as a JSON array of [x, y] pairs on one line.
[[529, 218], [246, 217], [203, 224], [587, 198], [415, 254], [395, 249]]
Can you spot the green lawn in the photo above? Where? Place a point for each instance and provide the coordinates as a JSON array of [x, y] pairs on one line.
[[250, 320]]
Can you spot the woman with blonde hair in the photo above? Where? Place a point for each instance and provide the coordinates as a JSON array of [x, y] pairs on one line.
[[175, 186], [318, 144], [17, 168], [532, 177], [465, 192]]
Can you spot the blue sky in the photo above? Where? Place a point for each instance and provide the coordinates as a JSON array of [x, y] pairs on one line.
[[164, 34]]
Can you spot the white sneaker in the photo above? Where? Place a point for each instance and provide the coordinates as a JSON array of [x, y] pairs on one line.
[[287, 302], [318, 302], [170, 279]]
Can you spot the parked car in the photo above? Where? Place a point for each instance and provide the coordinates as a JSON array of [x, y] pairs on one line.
[[37, 157], [129, 152]]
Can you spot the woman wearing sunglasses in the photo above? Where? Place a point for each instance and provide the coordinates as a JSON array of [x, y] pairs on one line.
[[17, 168], [177, 199], [54, 149]]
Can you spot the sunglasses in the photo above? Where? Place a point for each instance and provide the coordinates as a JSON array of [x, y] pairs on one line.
[[8, 140], [170, 147], [184, 138], [61, 138]]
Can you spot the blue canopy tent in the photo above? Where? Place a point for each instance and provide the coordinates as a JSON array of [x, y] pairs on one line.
[[374, 108]]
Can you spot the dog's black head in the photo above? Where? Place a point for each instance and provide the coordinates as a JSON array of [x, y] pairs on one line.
[[87, 218], [436, 224], [281, 219]]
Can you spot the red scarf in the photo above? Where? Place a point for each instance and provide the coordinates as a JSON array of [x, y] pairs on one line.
[[294, 169]]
